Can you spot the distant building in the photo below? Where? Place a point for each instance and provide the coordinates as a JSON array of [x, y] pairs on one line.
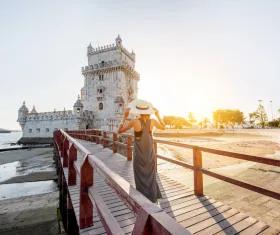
[[110, 83]]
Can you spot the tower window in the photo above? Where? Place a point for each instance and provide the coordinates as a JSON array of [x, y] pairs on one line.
[[99, 90], [120, 105], [47, 130], [101, 77], [100, 106], [38, 130]]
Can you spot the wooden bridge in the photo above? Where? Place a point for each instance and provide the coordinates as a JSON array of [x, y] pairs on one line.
[[97, 193]]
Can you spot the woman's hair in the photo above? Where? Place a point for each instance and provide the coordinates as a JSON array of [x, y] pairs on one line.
[[145, 116]]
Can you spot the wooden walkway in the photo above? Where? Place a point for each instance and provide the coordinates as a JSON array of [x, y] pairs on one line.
[[199, 214]]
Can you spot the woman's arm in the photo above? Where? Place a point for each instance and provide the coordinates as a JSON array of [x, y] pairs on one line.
[[125, 128], [160, 124]]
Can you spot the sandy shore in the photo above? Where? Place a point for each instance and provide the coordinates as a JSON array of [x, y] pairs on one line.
[[257, 145]]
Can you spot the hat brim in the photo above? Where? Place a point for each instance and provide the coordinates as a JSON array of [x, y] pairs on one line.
[[135, 110], [138, 111]]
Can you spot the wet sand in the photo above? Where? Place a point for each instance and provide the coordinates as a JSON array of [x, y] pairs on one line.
[[27, 166], [28, 192]]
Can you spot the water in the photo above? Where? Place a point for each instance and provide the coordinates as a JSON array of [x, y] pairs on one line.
[[8, 191], [6, 139]]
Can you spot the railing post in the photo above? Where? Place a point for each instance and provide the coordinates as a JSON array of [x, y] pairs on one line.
[[115, 146], [61, 146], [91, 137], [65, 151], [198, 176], [71, 169], [104, 141], [97, 137], [155, 151], [86, 207], [129, 148]]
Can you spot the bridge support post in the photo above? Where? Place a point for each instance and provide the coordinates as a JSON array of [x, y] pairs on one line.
[[86, 207], [155, 151], [72, 226], [71, 169], [65, 151], [198, 176], [129, 148], [104, 139], [115, 146], [63, 200]]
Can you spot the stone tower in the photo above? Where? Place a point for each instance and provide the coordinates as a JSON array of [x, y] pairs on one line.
[[110, 82]]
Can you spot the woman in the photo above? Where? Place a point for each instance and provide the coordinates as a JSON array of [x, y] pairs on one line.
[[143, 154]]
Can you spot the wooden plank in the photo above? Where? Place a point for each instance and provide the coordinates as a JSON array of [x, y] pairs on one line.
[[112, 205], [189, 213], [110, 224], [125, 217], [170, 194], [255, 229], [236, 228], [184, 204], [181, 195], [181, 200], [270, 231], [223, 224], [204, 216], [212, 220], [174, 189], [175, 213]]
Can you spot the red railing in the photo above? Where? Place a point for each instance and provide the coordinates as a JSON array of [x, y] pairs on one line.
[[197, 161], [150, 218]]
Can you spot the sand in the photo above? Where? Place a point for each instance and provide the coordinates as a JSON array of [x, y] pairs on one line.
[[30, 165], [257, 145]]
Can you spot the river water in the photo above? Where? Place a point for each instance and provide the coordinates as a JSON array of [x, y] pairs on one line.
[[7, 139]]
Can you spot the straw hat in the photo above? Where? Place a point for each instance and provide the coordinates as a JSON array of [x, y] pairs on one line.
[[141, 107]]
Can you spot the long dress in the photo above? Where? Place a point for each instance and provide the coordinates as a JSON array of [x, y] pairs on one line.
[[144, 164]]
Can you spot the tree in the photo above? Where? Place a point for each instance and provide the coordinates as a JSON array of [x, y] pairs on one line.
[[261, 115], [205, 121], [191, 118], [177, 122], [252, 117], [228, 116]]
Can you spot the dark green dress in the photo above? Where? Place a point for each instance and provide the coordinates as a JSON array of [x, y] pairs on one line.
[[144, 163]]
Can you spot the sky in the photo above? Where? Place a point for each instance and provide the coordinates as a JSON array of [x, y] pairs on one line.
[[192, 56]]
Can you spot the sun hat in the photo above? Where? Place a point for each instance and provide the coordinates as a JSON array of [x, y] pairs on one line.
[[141, 107]]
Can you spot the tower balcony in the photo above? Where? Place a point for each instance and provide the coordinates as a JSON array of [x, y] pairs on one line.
[[100, 97]]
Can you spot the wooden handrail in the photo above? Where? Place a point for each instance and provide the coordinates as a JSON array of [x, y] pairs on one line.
[[197, 164], [158, 220]]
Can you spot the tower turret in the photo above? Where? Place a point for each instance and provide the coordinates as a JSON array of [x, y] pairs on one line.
[[33, 111], [118, 41], [89, 49], [78, 107], [22, 114], [133, 55]]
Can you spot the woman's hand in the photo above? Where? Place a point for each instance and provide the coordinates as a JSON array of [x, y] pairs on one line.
[[156, 111]]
